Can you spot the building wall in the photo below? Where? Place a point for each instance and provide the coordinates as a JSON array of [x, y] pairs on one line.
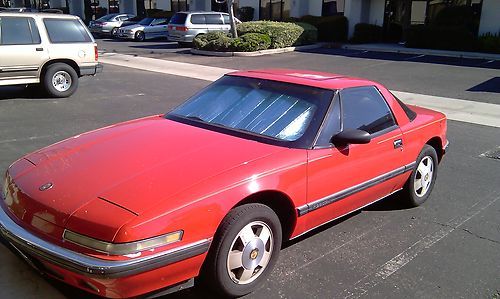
[[490, 14], [376, 12], [128, 6], [251, 3], [315, 7]]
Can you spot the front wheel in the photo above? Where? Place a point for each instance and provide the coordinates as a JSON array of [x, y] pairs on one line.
[[60, 80], [244, 251], [140, 36], [419, 185], [114, 32]]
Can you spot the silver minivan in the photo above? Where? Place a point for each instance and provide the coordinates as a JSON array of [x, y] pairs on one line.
[[185, 26]]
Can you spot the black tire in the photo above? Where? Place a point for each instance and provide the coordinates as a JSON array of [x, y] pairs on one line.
[[415, 195], [60, 80], [140, 36], [216, 271], [114, 32], [184, 44]]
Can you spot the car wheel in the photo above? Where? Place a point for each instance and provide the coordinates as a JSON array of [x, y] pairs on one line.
[[60, 80], [419, 185], [244, 250], [114, 32], [139, 36]]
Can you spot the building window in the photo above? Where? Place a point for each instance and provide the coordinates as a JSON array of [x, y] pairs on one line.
[[179, 5], [150, 4], [332, 7], [275, 10], [222, 7]]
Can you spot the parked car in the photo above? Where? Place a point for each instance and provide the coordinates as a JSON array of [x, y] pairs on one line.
[[213, 188], [108, 24], [185, 26], [131, 21], [148, 28], [49, 49]]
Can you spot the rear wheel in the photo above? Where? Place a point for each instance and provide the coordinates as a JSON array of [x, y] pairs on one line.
[[60, 80], [421, 182], [244, 251], [114, 32]]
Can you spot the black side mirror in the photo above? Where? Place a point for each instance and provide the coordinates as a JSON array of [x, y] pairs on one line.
[[351, 136]]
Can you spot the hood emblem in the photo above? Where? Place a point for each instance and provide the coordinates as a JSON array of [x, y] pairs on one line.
[[46, 187]]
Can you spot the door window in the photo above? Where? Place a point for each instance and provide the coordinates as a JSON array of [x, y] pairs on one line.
[[365, 109], [66, 31], [198, 19], [158, 22], [213, 19], [18, 31]]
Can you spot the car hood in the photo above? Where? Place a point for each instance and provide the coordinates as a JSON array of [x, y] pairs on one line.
[[133, 27], [130, 166]]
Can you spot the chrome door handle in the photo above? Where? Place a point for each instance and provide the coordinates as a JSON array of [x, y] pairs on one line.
[[398, 143]]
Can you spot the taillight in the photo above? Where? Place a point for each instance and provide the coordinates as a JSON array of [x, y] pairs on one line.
[[96, 54], [182, 28]]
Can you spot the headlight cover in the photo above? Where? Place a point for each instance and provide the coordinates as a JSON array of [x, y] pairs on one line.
[[122, 248]]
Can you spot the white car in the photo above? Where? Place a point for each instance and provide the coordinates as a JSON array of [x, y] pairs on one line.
[[146, 29]]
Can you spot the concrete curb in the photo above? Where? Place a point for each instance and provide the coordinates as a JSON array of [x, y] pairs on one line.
[[389, 49], [256, 53]]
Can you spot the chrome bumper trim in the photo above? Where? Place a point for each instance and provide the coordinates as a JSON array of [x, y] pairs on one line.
[[446, 145], [35, 247]]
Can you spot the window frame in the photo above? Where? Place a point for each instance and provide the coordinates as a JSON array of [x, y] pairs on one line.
[[36, 39]]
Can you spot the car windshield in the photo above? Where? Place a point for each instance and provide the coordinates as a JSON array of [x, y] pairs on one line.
[[106, 18], [146, 21], [278, 110]]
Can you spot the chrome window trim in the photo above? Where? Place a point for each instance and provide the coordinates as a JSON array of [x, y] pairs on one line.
[[32, 246], [327, 200]]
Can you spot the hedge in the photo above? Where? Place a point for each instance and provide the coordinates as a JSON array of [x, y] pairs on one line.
[[213, 41], [489, 43], [437, 37], [251, 42], [282, 34], [366, 33], [245, 13], [330, 28]]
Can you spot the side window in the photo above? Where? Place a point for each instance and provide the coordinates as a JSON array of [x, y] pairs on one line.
[[18, 31], [66, 31], [365, 109], [214, 19], [157, 22], [226, 19], [331, 125], [198, 19]]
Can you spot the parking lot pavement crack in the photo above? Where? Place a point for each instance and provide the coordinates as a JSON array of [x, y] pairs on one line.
[[467, 231], [362, 286]]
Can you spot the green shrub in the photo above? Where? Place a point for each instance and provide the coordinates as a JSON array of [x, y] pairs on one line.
[[330, 28], [245, 13], [444, 38], [251, 42], [489, 43], [158, 13], [282, 34], [309, 35], [213, 41], [366, 33], [457, 16]]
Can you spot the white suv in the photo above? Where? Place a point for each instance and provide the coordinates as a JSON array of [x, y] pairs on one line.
[[52, 50]]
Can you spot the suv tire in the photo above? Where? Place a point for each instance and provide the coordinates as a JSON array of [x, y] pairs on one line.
[[60, 80]]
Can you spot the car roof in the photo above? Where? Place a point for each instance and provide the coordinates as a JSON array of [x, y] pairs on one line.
[[38, 14], [309, 78], [201, 12]]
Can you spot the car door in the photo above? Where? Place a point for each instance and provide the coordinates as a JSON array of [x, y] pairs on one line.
[[157, 28], [21, 50], [346, 177]]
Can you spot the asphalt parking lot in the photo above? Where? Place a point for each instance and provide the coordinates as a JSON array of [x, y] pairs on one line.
[[449, 247]]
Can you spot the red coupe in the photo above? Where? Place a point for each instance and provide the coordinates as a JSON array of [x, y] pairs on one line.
[[213, 188]]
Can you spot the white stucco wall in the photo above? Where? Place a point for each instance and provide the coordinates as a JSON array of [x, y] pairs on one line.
[[376, 15], [315, 7], [163, 4], [57, 3], [490, 16]]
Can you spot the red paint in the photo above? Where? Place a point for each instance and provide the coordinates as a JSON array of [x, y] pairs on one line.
[[152, 176]]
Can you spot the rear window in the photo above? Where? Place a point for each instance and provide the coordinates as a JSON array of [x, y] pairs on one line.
[[179, 18], [213, 19], [66, 31]]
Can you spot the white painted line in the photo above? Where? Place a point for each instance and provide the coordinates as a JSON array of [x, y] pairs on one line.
[[455, 109], [183, 69], [362, 286]]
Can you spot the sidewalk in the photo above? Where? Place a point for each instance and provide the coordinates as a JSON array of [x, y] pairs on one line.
[[397, 48]]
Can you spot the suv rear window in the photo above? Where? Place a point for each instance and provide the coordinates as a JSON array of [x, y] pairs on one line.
[[66, 31], [198, 19], [213, 19], [179, 18]]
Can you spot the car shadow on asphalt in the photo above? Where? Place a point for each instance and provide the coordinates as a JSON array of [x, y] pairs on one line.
[[21, 92], [390, 56]]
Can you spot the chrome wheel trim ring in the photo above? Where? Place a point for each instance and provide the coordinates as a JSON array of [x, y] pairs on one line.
[[423, 176], [61, 81], [250, 252]]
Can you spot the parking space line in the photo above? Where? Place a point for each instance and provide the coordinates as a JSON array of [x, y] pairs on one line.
[[362, 286], [455, 109]]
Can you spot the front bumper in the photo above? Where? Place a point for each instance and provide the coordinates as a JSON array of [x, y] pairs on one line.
[[127, 35], [32, 246]]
